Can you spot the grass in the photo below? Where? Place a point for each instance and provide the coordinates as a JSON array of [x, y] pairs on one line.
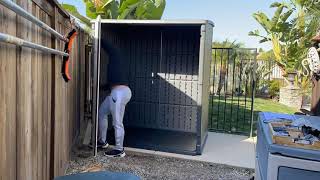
[[233, 114], [272, 106]]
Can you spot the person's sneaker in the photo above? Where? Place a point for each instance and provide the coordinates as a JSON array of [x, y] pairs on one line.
[[115, 153], [100, 145]]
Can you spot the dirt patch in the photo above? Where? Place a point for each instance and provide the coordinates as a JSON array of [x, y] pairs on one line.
[[148, 166]]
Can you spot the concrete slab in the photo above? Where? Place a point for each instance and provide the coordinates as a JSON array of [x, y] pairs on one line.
[[221, 148]]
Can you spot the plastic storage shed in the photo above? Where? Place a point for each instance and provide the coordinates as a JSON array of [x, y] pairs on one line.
[[169, 67]]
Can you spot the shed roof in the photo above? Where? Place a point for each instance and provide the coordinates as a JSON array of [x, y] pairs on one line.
[[157, 22]]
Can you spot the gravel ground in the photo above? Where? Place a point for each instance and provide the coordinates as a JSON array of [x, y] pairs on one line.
[[148, 166]]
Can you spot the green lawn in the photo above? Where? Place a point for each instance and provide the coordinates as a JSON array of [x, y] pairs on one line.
[[272, 106], [233, 114]]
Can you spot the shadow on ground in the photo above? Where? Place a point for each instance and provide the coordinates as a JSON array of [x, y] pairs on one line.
[[231, 115]]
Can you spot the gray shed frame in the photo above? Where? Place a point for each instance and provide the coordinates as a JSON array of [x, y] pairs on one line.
[[179, 121]]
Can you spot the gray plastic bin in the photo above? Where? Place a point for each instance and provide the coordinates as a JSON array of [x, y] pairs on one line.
[[277, 162], [169, 67]]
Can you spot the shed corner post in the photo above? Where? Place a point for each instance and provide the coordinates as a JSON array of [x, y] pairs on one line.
[[200, 88], [96, 82]]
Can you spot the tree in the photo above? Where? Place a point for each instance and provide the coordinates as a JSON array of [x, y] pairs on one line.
[[261, 50], [121, 9], [261, 72], [266, 56], [290, 30], [141, 9], [311, 7], [222, 59], [73, 10]]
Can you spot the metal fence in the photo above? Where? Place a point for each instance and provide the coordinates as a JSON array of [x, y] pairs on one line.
[[232, 90]]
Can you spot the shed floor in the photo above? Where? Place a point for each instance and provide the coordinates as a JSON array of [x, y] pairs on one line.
[[233, 150], [161, 140]]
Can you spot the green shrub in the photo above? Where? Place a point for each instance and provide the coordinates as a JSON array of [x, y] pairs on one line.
[[274, 88]]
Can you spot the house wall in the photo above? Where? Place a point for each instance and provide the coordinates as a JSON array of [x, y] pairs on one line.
[[275, 70], [39, 112]]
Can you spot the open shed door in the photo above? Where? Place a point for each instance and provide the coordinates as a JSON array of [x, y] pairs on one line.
[[96, 78]]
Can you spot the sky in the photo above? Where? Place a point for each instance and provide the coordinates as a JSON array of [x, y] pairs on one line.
[[232, 18]]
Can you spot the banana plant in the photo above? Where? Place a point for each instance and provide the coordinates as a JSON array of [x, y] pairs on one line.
[[152, 9], [73, 10], [107, 9], [121, 9], [289, 30], [278, 30], [261, 72], [223, 58]]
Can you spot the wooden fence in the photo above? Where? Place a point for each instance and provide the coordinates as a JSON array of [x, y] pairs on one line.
[[40, 114]]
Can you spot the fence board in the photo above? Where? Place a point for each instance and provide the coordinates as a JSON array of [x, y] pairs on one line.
[[8, 99], [45, 6], [47, 101], [24, 101], [36, 96], [39, 112]]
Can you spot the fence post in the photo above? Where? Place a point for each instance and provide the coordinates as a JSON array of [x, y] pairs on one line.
[[253, 93], [53, 147]]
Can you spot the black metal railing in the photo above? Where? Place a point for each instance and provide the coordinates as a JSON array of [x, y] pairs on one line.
[[232, 90]]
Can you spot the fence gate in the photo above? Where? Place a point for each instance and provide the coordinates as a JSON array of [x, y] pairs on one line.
[[232, 90]]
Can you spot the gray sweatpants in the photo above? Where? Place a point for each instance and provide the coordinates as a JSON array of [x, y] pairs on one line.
[[114, 104]]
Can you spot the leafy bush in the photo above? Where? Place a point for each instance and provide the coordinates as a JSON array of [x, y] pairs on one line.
[[274, 88]]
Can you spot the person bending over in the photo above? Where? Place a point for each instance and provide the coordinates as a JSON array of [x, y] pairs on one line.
[[119, 94]]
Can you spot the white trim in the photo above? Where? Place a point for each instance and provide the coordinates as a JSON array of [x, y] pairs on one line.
[[156, 22], [96, 59]]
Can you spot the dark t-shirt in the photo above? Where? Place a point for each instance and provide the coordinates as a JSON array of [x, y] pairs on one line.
[[118, 72]]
